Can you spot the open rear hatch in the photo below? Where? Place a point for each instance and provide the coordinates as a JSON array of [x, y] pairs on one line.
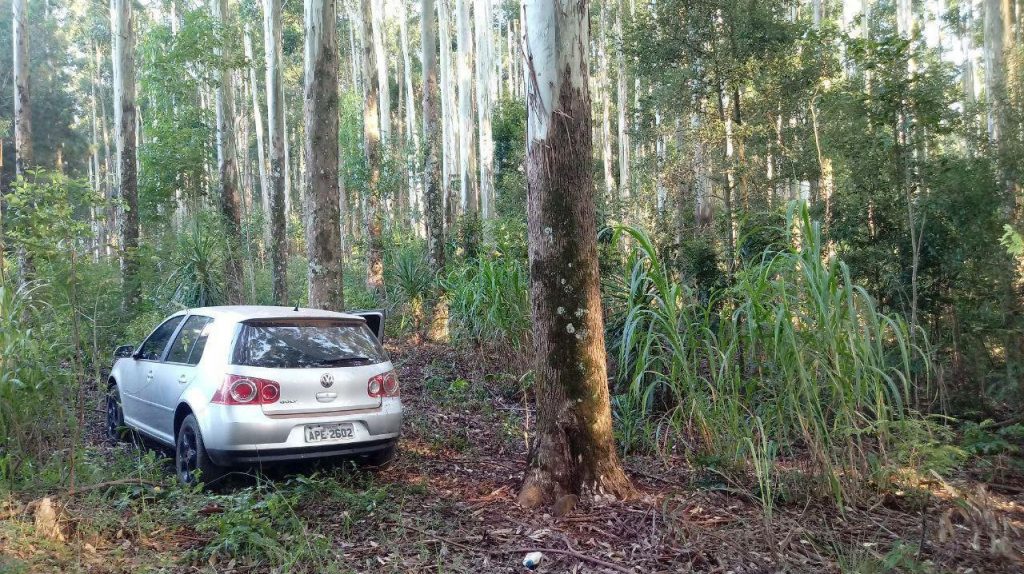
[[321, 364]]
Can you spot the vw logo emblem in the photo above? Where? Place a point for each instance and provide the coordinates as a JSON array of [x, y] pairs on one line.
[[326, 380]]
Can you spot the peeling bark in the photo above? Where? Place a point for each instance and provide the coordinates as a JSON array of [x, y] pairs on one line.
[[573, 450]]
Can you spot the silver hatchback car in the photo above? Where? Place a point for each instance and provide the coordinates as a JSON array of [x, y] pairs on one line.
[[242, 385]]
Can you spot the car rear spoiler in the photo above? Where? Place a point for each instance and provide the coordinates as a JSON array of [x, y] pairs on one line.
[[374, 320]]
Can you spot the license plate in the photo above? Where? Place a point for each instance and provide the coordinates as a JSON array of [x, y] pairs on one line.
[[320, 433]]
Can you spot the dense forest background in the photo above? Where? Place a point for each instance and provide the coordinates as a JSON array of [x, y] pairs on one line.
[[809, 212]]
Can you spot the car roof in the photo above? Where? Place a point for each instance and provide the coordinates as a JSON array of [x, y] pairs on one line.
[[240, 313]]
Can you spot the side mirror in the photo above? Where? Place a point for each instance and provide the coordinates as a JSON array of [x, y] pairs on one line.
[[124, 352]]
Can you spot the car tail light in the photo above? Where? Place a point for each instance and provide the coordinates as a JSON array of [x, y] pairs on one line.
[[383, 385], [239, 390]]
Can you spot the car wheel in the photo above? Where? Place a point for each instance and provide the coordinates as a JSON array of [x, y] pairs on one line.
[[115, 415], [383, 459], [191, 461]]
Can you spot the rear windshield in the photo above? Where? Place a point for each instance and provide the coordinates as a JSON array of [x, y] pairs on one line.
[[303, 343]]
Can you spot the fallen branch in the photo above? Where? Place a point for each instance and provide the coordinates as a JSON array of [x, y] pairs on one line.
[[573, 553], [121, 482]]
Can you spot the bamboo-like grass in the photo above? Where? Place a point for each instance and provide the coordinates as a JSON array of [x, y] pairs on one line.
[[793, 350]]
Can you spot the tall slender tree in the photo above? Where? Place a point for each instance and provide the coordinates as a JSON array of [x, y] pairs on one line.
[[573, 451], [276, 134], [484, 71], [23, 157], [230, 200], [122, 27], [622, 104], [371, 145], [468, 188], [257, 118], [449, 134], [432, 192], [22, 91], [323, 212], [412, 135], [380, 52]]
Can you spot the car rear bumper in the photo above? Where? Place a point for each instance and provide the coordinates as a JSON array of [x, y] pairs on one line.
[[267, 456], [248, 435]]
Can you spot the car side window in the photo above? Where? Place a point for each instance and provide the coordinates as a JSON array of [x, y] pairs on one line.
[[191, 340], [154, 346]]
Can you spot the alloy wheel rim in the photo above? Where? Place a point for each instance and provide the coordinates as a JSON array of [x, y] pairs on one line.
[[188, 459], [113, 420]]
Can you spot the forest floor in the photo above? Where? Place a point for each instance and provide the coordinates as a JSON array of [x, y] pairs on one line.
[[449, 505]]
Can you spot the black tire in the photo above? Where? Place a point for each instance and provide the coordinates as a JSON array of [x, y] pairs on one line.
[[384, 458], [116, 430], [191, 461]]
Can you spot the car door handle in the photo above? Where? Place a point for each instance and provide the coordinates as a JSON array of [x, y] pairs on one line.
[[326, 397], [183, 378]]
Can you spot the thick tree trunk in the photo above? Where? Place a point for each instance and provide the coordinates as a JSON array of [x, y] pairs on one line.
[[573, 452], [230, 202], [276, 134], [371, 143], [323, 213], [484, 67], [433, 191], [383, 82], [122, 28]]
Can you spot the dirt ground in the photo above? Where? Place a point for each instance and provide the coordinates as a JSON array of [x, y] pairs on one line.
[[448, 505]]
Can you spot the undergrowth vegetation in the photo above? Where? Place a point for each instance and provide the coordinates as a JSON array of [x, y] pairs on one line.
[[793, 359]]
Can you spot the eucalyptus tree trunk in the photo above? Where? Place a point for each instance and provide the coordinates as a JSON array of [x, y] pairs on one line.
[[23, 156], [573, 450], [371, 144], [22, 94], [484, 68], [433, 191], [261, 154], [323, 212], [470, 201], [354, 53], [381, 56], [122, 28], [604, 85], [622, 103], [98, 187], [412, 137], [276, 134], [230, 203], [448, 131]]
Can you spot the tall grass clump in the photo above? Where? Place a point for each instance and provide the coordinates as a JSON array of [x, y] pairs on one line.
[[793, 354], [489, 302]]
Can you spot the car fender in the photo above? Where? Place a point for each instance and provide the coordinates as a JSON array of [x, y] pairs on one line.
[[197, 401]]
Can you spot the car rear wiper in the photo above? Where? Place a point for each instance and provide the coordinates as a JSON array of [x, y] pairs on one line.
[[343, 360]]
